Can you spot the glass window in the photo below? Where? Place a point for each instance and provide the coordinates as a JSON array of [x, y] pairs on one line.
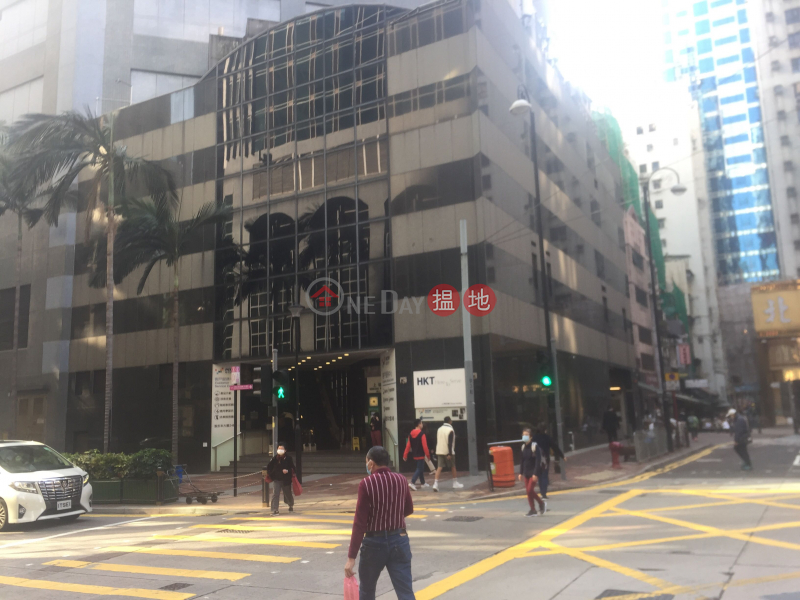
[[728, 60], [7, 300], [725, 40], [750, 74], [754, 114], [702, 27], [794, 40], [704, 46], [742, 16], [744, 36], [792, 16], [700, 8], [732, 99], [706, 65]]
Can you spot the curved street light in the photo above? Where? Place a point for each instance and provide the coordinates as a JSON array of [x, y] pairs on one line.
[[677, 189]]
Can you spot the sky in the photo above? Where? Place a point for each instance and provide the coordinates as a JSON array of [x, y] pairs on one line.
[[613, 51]]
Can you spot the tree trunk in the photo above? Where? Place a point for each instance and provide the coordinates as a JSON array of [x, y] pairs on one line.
[[15, 347], [175, 341], [111, 230]]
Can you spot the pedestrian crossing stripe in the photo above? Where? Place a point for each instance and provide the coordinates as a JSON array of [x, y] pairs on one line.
[[94, 590], [143, 570], [277, 528], [266, 558], [257, 542]]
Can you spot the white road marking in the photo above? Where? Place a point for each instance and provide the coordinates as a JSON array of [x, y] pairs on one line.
[[74, 532]]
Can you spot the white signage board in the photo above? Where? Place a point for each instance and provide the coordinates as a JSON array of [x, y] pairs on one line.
[[444, 388], [438, 414], [388, 392], [222, 399], [693, 384], [672, 386]]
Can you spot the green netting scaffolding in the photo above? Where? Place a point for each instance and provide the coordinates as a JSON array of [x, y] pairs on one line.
[[673, 302]]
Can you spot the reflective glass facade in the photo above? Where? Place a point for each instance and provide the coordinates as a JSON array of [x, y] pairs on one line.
[[710, 45], [302, 158]]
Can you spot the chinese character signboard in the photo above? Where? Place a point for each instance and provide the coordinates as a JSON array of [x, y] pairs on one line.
[[776, 308], [684, 354]]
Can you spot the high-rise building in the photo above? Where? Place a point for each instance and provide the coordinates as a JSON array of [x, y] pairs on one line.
[[776, 35], [350, 142], [711, 48], [671, 140]]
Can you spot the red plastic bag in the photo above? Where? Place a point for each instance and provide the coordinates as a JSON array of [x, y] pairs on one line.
[[297, 489], [350, 588]]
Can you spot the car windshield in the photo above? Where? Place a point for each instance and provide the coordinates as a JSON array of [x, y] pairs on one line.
[[27, 459]]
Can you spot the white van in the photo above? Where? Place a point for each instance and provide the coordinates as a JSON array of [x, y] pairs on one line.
[[37, 483]]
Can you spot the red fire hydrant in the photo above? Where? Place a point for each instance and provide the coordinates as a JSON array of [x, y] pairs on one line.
[[614, 447]]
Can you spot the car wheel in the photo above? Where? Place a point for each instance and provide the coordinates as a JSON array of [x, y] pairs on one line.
[[188, 499], [3, 516], [70, 518]]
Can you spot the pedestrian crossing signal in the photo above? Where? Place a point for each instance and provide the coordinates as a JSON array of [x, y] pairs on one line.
[[546, 381], [280, 384]]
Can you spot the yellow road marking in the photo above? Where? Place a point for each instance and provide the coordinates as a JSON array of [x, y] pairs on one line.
[[278, 528], [305, 519], [734, 534], [433, 509], [95, 590], [204, 554], [719, 494], [142, 570], [256, 542], [484, 566], [606, 564]]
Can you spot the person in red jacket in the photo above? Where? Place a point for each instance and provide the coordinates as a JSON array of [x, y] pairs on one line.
[[417, 446]]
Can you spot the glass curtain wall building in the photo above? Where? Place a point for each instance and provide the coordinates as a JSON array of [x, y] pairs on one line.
[[303, 160], [709, 44]]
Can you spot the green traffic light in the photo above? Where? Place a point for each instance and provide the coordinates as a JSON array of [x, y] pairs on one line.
[[281, 393], [546, 381]]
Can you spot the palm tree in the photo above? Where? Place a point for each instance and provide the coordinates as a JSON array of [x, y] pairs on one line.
[[151, 232], [54, 151], [18, 199]]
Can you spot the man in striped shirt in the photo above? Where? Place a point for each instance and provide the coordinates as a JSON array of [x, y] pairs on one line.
[[379, 528]]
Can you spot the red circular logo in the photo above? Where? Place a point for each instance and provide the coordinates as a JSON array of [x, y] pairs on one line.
[[480, 300], [443, 300]]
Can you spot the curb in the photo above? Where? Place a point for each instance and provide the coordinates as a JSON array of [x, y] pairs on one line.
[[219, 510]]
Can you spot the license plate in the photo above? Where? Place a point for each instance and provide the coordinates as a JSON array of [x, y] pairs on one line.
[[64, 505]]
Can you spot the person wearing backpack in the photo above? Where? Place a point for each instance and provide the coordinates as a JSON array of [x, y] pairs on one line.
[[417, 446], [529, 469]]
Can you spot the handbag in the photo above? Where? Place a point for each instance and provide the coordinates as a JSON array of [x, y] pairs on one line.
[[297, 489], [430, 464], [350, 588]]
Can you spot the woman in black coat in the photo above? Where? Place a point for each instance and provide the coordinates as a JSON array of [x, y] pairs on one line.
[[281, 470]]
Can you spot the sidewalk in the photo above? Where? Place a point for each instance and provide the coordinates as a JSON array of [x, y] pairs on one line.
[[338, 492]]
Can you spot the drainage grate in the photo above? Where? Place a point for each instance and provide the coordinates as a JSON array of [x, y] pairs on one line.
[[175, 586], [464, 519], [236, 531]]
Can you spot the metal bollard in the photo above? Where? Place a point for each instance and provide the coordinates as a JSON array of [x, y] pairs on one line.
[[614, 447], [264, 489]]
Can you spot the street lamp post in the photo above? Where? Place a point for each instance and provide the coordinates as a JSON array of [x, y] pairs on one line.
[[676, 189], [295, 310], [521, 106]]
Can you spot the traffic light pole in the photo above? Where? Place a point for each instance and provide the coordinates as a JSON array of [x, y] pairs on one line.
[[274, 406], [472, 426], [235, 443], [557, 392]]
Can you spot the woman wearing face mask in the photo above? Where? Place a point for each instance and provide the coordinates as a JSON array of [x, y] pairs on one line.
[[281, 469], [529, 470]]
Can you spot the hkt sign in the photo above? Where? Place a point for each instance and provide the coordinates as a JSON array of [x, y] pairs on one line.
[[325, 296]]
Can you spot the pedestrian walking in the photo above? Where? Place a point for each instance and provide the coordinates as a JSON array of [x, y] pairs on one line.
[[611, 423], [546, 444], [376, 431], [530, 467], [281, 470], [379, 529], [417, 447], [446, 454], [741, 437], [693, 423]]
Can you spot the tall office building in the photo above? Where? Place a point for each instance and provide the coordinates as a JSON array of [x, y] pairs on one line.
[[349, 143], [711, 48], [776, 33]]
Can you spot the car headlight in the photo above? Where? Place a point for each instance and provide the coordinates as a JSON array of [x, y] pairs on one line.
[[25, 486], [85, 480]]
